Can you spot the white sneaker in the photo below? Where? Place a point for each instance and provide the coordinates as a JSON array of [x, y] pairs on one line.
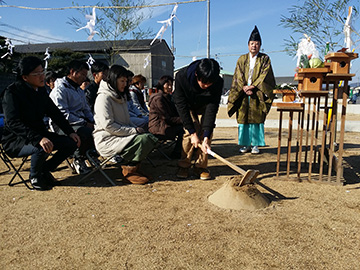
[[116, 159], [244, 149], [80, 166], [255, 150]]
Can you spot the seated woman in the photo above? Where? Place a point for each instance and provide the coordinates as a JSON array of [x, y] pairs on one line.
[[136, 92], [25, 103], [136, 116], [114, 132], [164, 120]]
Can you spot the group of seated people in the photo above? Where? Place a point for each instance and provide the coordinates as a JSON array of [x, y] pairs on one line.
[[109, 115]]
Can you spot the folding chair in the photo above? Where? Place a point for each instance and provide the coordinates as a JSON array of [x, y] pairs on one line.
[[162, 145], [98, 167], [70, 166], [7, 161], [3, 155], [10, 166], [17, 173]]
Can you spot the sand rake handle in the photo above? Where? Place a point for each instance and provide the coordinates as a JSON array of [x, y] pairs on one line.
[[231, 165]]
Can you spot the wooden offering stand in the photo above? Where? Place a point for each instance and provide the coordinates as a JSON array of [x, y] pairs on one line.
[[291, 108], [312, 78], [320, 159], [339, 62], [288, 95], [339, 66]]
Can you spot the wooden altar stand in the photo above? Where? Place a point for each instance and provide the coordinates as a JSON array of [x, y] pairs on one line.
[[291, 108], [323, 166]]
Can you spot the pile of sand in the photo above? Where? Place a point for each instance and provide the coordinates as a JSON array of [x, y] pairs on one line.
[[232, 196]]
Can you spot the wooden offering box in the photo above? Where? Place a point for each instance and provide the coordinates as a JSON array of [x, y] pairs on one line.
[[312, 78], [299, 79], [294, 106], [288, 95], [340, 61]]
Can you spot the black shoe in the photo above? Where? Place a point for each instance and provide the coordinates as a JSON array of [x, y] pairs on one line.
[[50, 179], [40, 184]]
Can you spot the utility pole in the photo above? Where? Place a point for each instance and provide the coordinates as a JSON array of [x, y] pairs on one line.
[[208, 29], [172, 37]]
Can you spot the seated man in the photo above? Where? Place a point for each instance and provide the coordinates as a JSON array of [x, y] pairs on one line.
[[71, 101], [50, 78], [99, 71], [25, 104]]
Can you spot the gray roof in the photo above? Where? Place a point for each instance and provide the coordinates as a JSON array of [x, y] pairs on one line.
[[285, 79], [91, 46]]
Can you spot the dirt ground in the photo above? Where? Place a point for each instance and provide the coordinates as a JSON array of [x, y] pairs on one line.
[[170, 224]]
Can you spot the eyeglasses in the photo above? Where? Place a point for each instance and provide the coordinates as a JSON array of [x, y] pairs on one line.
[[37, 73]]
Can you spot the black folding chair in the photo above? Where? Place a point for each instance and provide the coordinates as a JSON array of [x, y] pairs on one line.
[[10, 166], [98, 166], [162, 144], [17, 173], [7, 161]]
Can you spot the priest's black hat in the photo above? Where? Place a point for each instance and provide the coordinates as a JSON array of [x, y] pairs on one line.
[[255, 35]]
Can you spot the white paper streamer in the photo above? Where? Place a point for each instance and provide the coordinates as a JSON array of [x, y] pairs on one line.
[[166, 24], [90, 24]]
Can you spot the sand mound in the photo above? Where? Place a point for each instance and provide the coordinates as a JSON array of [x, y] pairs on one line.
[[231, 196]]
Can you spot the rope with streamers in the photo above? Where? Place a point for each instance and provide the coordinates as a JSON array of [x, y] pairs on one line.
[[104, 7]]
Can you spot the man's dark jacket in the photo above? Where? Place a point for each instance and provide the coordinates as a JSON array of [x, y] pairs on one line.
[[189, 96], [91, 94], [24, 111]]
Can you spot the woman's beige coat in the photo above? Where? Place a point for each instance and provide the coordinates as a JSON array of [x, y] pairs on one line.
[[113, 128]]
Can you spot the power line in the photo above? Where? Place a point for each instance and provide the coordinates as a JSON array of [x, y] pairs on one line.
[[28, 32], [219, 55], [103, 7], [18, 40], [39, 41]]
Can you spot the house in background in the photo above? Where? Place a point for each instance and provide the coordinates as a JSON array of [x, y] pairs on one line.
[[136, 55], [227, 76], [286, 79]]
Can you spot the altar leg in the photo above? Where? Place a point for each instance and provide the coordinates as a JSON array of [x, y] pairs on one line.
[[279, 145], [291, 114]]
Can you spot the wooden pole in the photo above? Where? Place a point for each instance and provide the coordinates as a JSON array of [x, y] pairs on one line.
[[279, 146], [291, 113]]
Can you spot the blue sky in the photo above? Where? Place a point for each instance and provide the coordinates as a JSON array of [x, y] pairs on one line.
[[231, 24]]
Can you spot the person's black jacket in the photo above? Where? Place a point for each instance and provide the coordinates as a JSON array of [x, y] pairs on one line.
[[24, 111], [189, 96], [91, 94]]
